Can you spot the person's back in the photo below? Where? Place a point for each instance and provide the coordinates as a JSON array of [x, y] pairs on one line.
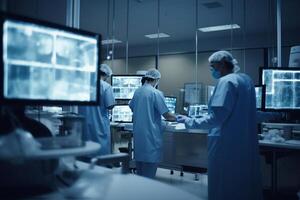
[[97, 124], [147, 123], [236, 142]]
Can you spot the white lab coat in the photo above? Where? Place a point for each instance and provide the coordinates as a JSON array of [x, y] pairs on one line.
[[147, 106], [97, 124], [233, 154]]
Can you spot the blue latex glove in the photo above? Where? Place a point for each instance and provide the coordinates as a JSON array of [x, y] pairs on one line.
[[181, 118]]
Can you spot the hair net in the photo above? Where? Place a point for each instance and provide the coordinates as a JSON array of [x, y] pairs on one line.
[[220, 56], [153, 73], [106, 69]]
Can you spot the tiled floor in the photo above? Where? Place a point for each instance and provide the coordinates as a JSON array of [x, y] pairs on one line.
[[186, 182]]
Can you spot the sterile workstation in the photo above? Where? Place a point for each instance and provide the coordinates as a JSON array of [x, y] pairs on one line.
[[150, 99]]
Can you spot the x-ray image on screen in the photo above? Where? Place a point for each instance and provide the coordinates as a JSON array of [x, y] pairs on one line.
[[210, 91], [171, 103], [121, 113], [259, 96], [125, 86], [282, 88], [46, 63], [197, 110]]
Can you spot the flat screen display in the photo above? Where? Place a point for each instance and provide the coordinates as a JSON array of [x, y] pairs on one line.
[[121, 113], [171, 103], [197, 110], [282, 88], [124, 86], [260, 96], [210, 91], [193, 93], [49, 64]]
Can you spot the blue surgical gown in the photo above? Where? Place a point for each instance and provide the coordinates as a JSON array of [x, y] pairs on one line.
[[147, 105], [233, 154], [97, 124]]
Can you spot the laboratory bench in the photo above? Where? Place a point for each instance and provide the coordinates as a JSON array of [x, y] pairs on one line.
[[186, 150]]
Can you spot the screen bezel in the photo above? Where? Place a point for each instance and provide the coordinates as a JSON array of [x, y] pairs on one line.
[[261, 83], [121, 121], [263, 97], [118, 75], [17, 101]]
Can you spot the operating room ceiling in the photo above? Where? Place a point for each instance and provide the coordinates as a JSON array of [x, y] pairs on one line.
[[176, 17]]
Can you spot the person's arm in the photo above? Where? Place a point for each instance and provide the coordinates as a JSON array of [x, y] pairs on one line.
[[221, 107], [214, 119], [169, 116], [109, 98]]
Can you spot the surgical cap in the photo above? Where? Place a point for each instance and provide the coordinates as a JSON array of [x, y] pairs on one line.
[[106, 69], [153, 73], [220, 56]]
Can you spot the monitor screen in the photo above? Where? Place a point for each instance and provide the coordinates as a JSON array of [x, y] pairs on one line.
[[45, 63], [193, 93], [282, 88], [210, 91], [121, 113], [260, 96], [171, 103], [124, 86], [197, 110]]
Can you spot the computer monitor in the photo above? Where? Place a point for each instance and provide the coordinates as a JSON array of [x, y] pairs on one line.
[[260, 96], [282, 88], [171, 103], [193, 93], [121, 113], [124, 86], [197, 110], [210, 91], [45, 63]]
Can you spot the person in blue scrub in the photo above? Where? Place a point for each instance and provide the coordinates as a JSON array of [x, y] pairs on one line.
[[97, 124], [233, 153], [148, 105]]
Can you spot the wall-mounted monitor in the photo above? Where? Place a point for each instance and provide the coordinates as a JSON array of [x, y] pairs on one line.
[[260, 96], [121, 113], [171, 103], [210, 91], [282, 88], [194, 93], [45, 63], [124, 86]]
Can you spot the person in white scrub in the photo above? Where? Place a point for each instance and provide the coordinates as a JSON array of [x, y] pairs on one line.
[[148, 105], [233, 153], [97, 124]]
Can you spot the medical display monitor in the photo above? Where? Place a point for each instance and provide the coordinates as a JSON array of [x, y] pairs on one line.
[[260, 96], [121, 113], [197, 110], [210, 91], [44, 63], [171, 103], [282, 88], [124, 86]]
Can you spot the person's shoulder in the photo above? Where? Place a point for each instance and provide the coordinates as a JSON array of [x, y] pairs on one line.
[[105, 85], [158, 92], [229, 79]]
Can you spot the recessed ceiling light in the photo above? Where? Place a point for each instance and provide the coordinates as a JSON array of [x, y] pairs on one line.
[[219, 28], [155, 35], [110, 41]]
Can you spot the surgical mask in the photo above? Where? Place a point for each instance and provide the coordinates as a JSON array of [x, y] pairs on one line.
[[216, 74]]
